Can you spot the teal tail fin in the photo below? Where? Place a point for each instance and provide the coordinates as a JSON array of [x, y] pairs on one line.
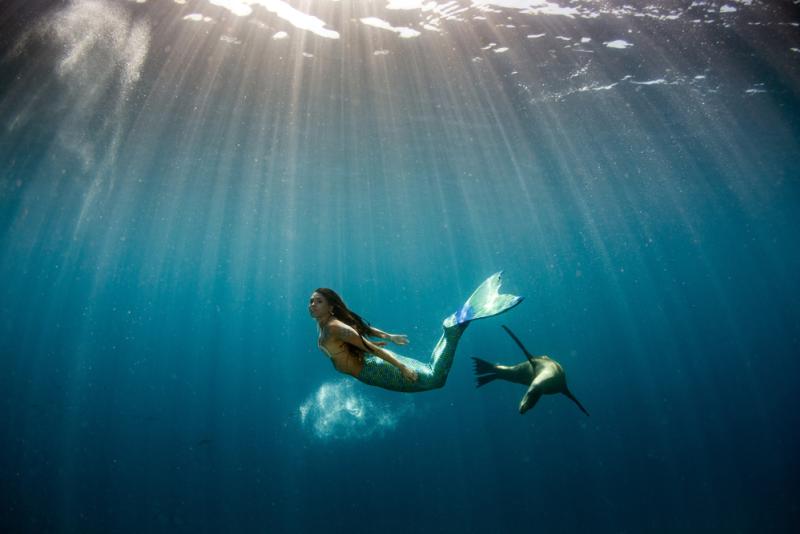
[[486, 301]]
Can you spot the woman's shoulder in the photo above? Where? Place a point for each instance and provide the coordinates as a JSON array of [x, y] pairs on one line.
[[337, 328]]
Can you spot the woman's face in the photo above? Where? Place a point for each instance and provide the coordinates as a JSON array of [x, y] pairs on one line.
[[318, 307]]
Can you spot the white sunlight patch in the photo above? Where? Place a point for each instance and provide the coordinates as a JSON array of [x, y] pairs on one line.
[[660, 81], [404, 32], [341, 410], [303, 21], [618, 43], [197, 17]]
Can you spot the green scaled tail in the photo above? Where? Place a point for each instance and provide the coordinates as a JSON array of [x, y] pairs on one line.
[[485, 301]]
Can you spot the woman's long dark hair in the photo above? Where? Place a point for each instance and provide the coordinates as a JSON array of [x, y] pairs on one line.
[[347, 316]]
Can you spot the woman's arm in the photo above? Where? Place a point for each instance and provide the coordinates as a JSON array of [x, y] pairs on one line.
[[350, 336], [397, 339]]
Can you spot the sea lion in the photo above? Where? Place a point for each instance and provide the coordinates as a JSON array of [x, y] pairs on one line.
[[542, 374]]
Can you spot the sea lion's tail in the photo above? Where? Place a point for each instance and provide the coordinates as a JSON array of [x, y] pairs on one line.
[[486, 301], [576, 401], [485, 372]]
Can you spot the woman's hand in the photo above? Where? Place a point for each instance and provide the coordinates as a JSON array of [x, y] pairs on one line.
[[408, 373], [399, 339]]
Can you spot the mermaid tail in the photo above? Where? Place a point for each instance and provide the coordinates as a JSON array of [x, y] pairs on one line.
[[484, 302]]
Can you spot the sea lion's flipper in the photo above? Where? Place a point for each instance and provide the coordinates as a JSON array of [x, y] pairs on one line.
[[576, 401], [483, 367], [516, 339], [486, 301], [485, 372], [530, 399], [484, 379]]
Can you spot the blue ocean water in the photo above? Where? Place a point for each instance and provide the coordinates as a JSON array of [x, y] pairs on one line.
[[176, 178]]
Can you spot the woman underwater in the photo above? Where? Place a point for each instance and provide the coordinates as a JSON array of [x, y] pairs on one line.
[[343, 337]]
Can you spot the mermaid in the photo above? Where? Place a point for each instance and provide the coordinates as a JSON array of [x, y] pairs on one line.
[[343, 337]]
